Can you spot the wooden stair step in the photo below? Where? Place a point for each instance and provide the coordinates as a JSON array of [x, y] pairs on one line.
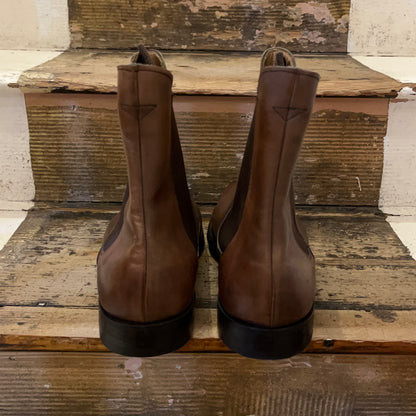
[[341, 161], [364, 299], [74, 138], [227, 25], [100, 384], [203, 73]]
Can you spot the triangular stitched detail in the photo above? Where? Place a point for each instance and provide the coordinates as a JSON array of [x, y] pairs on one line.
[[139, 112], [287, 113]]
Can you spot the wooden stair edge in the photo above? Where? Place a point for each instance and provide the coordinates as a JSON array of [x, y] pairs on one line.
[[204, 73], [77, 330]]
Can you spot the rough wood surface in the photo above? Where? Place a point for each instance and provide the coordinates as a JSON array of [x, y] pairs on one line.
[[206, 385], [74, 138], [364, 300], [205, 74], [314, 26], [76, 329]]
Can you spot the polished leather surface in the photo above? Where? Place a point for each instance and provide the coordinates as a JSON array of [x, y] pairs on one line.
[[146, 269], [266, 269]]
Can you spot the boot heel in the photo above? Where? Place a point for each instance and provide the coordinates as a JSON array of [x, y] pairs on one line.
[[145, 340], [255, 341]]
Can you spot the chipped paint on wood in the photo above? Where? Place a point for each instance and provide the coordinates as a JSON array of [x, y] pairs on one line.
[[314, 26]]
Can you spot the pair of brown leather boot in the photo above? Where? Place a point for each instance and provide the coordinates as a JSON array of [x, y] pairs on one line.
[[148, 262]]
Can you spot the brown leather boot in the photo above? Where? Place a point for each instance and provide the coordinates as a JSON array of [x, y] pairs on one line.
[[266, 268], [147, 265]]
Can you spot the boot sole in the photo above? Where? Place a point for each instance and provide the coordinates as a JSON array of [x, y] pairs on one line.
[[145, 339], [255, 341]]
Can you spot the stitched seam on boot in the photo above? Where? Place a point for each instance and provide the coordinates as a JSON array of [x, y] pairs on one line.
[[275, 287], [144, 284]]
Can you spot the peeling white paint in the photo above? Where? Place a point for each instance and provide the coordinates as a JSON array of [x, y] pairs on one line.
[[200, 175], [343, 22], [313, 36], [399, 171], [382, 28], [132, 365], [319, 11], [405, 228], [34, 24], [9, 222], [402, 68], [16, 178], [359, 183], [132, 368], [398, 190], [219, 14]]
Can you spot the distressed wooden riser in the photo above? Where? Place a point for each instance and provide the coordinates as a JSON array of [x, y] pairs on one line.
[[364, 299], [77, 152], [213, 25], [206, 385]]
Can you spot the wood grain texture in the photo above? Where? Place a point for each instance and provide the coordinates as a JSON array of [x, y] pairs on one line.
[[206, 385], [335, 331], [74, 138], [364, 300], [205, 74], [314, 26]]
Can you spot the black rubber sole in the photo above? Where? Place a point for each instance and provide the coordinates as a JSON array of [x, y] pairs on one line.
[[264, 343], [145, 340]]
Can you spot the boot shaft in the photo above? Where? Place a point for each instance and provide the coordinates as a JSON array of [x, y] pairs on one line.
[[146, 270], [144, 103], [267, 269], [284, 104]]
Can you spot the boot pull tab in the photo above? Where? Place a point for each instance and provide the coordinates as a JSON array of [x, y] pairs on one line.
[[277, 56], [146, 56]]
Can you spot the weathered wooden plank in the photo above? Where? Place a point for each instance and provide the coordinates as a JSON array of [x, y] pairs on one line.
[[76, 329], [198, 73], [364, 301], [361, 263], [206, 384], [75, 138], [318, 26]]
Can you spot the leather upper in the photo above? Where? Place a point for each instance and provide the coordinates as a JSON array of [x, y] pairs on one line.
[[266, 270], [147, 266]]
